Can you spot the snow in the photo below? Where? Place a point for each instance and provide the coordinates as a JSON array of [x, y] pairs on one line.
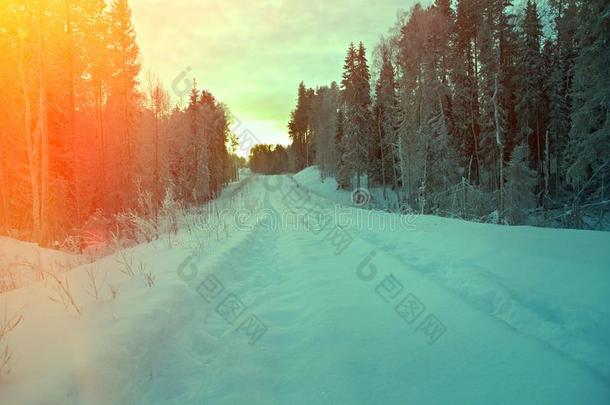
[[310, 178], [22, 263], [522, 314], [550, 284]]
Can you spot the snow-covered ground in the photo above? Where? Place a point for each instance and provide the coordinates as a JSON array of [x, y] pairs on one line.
[[281, 293], [22, 263]]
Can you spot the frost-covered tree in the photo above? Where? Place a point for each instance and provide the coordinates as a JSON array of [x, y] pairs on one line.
[[300, 131], [559, 83], [442, 163], [386, 104], [465, 78], [474, 79], [81, 140], [323, 124], [343, 170], [531, 97], [358, 123], [520, 184], [589, 147], [124, 97]]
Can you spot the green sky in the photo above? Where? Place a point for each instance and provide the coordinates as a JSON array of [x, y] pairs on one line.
[[253, 54]]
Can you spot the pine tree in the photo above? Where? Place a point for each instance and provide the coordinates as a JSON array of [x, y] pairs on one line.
[[214, 131], [124, 97], [520, 183], [466, 112], [531, 94], [349, 71], [589, 147], [323, 124], [345, 133], [299, 130], [559, 83], [159, 105], [343, 170], [363, 119], [489, 59], [356, 99], [442, 170], [196, 178], [415, 108], [496, 57], [386, 104], [444, 21], [508, 72]]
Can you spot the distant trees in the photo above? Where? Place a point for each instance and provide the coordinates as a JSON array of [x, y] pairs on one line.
[[269, 159], [80, 136], [478, 110], [323, 124]]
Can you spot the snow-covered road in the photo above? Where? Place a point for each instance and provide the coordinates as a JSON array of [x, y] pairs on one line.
[[346, 323], [291, 307]]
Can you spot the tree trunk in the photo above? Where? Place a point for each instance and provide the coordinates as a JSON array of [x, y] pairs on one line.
[[4, 191], [43, 238], [500, 145], [73, 184], [156, 198], [381, 143], [31, 145], [102, 138]]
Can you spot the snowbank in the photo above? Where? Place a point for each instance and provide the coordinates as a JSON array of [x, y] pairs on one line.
[[22, 263], [551, 284]]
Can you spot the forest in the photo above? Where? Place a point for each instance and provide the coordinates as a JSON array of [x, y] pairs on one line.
[[479, 109], [399, 206], [89, 142]]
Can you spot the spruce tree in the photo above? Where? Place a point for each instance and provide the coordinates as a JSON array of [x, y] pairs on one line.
[[343, 170], [365, 162], [531, 94], [385, 132], [559, 84], [124, 97], [466, 111], [298, 128], [323, 123], [356, 99], [520, 185], [589, 147]]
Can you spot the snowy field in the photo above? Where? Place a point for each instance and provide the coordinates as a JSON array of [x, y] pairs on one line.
[[281, 293]]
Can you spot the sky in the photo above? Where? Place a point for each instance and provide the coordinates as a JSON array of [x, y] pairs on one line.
[[253, 54]]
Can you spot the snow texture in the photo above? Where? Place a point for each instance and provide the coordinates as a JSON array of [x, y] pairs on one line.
[[288, 295]]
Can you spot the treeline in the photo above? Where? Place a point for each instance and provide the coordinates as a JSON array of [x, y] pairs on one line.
[[477, 111], [269, 159], [81, 137]]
